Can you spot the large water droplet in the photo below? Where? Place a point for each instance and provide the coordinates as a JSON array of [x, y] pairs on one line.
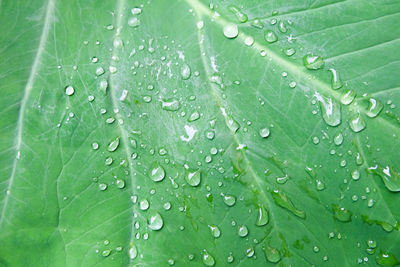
[[330, 110], [156, 222], [133, 252], [336, 83], [262, 217], [231, 30], [144, 204], [338, 139], [374, 108], [270, 36], [390, 177], [113, 145], [264, 132], [193, 178], [283, 201], [313, 62], [386, 259], [357, 123], [157, 172]]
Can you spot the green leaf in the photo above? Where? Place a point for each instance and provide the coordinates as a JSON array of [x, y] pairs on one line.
[[192, 133]]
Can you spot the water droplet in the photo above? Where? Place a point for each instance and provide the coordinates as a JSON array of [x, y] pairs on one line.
[[69, 90], [157, 173], [272, 254], [103, 85], [264, 132], [374, 108], [250, 252], [120, 183], [133, 22], [282, 27], [99, 71], [320, 185], [347, 97], [315, 140], [355, 174], [338, 139], [389, 176], [185, 71], [215, 231], [357, 123], [249, 41], [262, 217], [136, 11], [194, 116], [156, 222], [229, 200], [330, 110], [208, 260], [336, 83], [290, 51], [106, 253], [243, 231], [283, 201], [108, 161], [282, 180], [170, 104], [133, 252], [193, 178], [240, 16], [359, 159], [257, 23], [113, 145], [144, 204], [102, 187], [230, 258], [313, 62], [371, 243], [341, 214], [231, 31], [270, 36], [95, 146], [386, 259], [232, 124]]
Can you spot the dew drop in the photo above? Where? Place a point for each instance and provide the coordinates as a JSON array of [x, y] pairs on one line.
[[113, 145], [208, 260], [102, 187], [389, 176], [229, 200], [282, 200], [157, 172], [313, 62], [185, 71], [347, 97], [215, 232], [170, 104], [231, 31], [120, 183], [132, 252], [240, 16], [272, 254], [243, 231], [338, 139], [69, 90], [264, 132], [262, 217], [133, 22], [374, 108], [336, 83], [355, 174], [357, 123], [330, 110], [341, 214], [270, 36], [144, 204], [156, 222], [193, 178]]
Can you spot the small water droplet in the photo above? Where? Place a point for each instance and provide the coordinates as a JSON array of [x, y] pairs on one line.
[[208, 260], [133, 252], [229, 200], [290, 51], [243, 231], [69, 90], [338, 139], [240, 16], [341, 214], [133, 22], [170, 104], [283, 201], [256, 23], [264, 132], [389, 176], [215, 231], [330, 110], [120, 183], [185, 71], [272, 254], [144, 204], [102, 187], [355, 174], [194, 116]]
